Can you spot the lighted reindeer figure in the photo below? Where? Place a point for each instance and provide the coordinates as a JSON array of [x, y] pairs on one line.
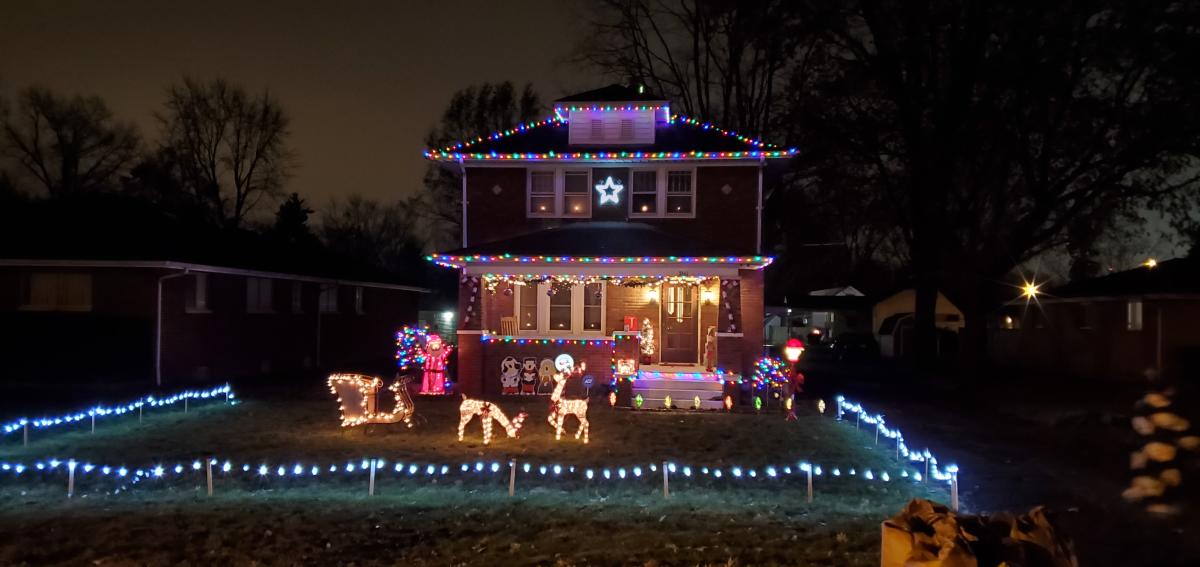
[[561, 408], [487, 411]]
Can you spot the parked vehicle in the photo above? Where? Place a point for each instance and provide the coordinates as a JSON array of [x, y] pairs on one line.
[[854, 346]]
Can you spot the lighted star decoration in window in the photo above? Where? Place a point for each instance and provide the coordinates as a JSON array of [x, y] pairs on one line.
[[609, 189]]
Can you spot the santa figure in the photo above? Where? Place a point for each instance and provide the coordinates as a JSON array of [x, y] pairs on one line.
[[436, 354]]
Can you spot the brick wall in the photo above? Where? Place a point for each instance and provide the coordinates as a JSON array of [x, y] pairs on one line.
[[497, 198], [752, 317]]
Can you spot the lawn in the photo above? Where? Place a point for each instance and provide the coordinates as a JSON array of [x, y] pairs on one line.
[[451, 516]]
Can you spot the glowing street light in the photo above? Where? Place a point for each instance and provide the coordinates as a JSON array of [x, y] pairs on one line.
[[1150, 263], [1030, 290]]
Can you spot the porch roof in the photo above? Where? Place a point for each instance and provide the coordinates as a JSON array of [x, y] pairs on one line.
[[600, 243]]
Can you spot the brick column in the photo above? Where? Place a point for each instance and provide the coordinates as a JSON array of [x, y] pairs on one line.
[[470, 350]]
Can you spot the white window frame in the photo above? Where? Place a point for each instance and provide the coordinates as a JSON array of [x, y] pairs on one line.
[[327, 299], [662, 173], [1134, 312], [58, 287], [560, 184], [197, 300], [577, 303], [297, 298], [259, 301]]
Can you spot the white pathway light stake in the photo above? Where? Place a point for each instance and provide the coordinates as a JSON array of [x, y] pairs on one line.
[[185, 400], [208, 473], [808, 469], [954, 492], [93, 423], [70, 478], [371, 483], [140, 411], [25, 435], [512, 477], [666, 489]]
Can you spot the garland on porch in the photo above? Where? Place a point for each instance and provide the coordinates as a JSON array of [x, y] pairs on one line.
[[560, 281]]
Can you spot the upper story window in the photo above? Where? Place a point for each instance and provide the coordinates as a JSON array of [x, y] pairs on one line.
[[668, 191], [570, 310], [555, 193], [50, 291], [259, 292], [197, 294], [328, 301]]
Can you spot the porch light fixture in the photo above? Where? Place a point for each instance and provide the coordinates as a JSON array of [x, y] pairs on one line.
[[1030, 290], [708, 296], [652, 295]]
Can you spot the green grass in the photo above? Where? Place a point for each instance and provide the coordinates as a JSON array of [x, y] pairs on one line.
[[458, 518]]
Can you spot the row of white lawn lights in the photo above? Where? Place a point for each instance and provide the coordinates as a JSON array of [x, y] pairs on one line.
[[264, 471], [948, 474], [101, 410]]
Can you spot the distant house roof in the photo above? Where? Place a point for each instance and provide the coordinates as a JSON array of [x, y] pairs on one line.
[[102, 233], [602, 239], [1178, 276], [612, 93]]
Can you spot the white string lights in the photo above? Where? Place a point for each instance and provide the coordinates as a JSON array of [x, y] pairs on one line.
[[948, 474], [101, 410]]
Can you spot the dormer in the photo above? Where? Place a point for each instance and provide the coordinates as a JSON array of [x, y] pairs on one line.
[[615, 115]]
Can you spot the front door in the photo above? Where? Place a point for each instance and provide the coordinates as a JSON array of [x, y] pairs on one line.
[[679, 330]]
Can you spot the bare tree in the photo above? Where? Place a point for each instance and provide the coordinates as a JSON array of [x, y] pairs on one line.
[[715, 60], [69, 145], [379, 234], [995, 128], [232, 148], [473, 111]]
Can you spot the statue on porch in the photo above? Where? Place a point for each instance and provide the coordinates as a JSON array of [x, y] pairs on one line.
[[710, 349]]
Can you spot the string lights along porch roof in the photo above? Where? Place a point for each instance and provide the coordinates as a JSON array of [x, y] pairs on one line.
[[680, 138], [601, 242]]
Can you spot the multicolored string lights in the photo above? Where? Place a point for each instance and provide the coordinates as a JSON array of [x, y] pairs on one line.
[[757, 262]]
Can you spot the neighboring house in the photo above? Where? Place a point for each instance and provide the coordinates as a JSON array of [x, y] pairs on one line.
[[892, 321], [827, 312], [579, 228], [1111, 327], [170, 322]]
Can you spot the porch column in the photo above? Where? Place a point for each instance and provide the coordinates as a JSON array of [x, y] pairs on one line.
[[729, 327], [469, 377]]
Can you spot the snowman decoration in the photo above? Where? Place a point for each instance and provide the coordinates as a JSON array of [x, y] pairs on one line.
[[510, 375]]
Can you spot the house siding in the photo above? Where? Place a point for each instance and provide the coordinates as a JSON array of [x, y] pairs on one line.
[[115, 340]]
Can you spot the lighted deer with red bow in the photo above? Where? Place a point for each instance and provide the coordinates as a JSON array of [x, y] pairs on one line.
[[487, 411], [560, 408]]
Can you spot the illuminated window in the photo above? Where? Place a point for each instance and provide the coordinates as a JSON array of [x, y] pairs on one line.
[[593, 306], [527, 307], [258, 295], [680, 193], [577, 194], [45, 291], [328, 301], [1133, 315], [569, 310], [643, 193], [560, 310], [541, 194]]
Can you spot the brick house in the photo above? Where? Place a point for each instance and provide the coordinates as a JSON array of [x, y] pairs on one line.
[[170, 322], [580, 229], [1112, 327]]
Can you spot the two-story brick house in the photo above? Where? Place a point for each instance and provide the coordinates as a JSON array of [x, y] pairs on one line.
[[580, 229]]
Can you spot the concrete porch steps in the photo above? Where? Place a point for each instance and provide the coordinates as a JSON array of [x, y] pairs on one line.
[[682, 384]]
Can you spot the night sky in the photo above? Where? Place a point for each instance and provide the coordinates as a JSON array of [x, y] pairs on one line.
[[362, 81]]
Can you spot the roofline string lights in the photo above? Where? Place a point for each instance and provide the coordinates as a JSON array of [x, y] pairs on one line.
[[758, 262], [453, 152], [599, 341], [101, 410], [561, 110]]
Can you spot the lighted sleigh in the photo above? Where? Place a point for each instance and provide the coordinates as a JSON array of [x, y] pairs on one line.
[[357, 396]]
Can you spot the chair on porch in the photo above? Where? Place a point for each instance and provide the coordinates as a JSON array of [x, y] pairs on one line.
[[508, 326]]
